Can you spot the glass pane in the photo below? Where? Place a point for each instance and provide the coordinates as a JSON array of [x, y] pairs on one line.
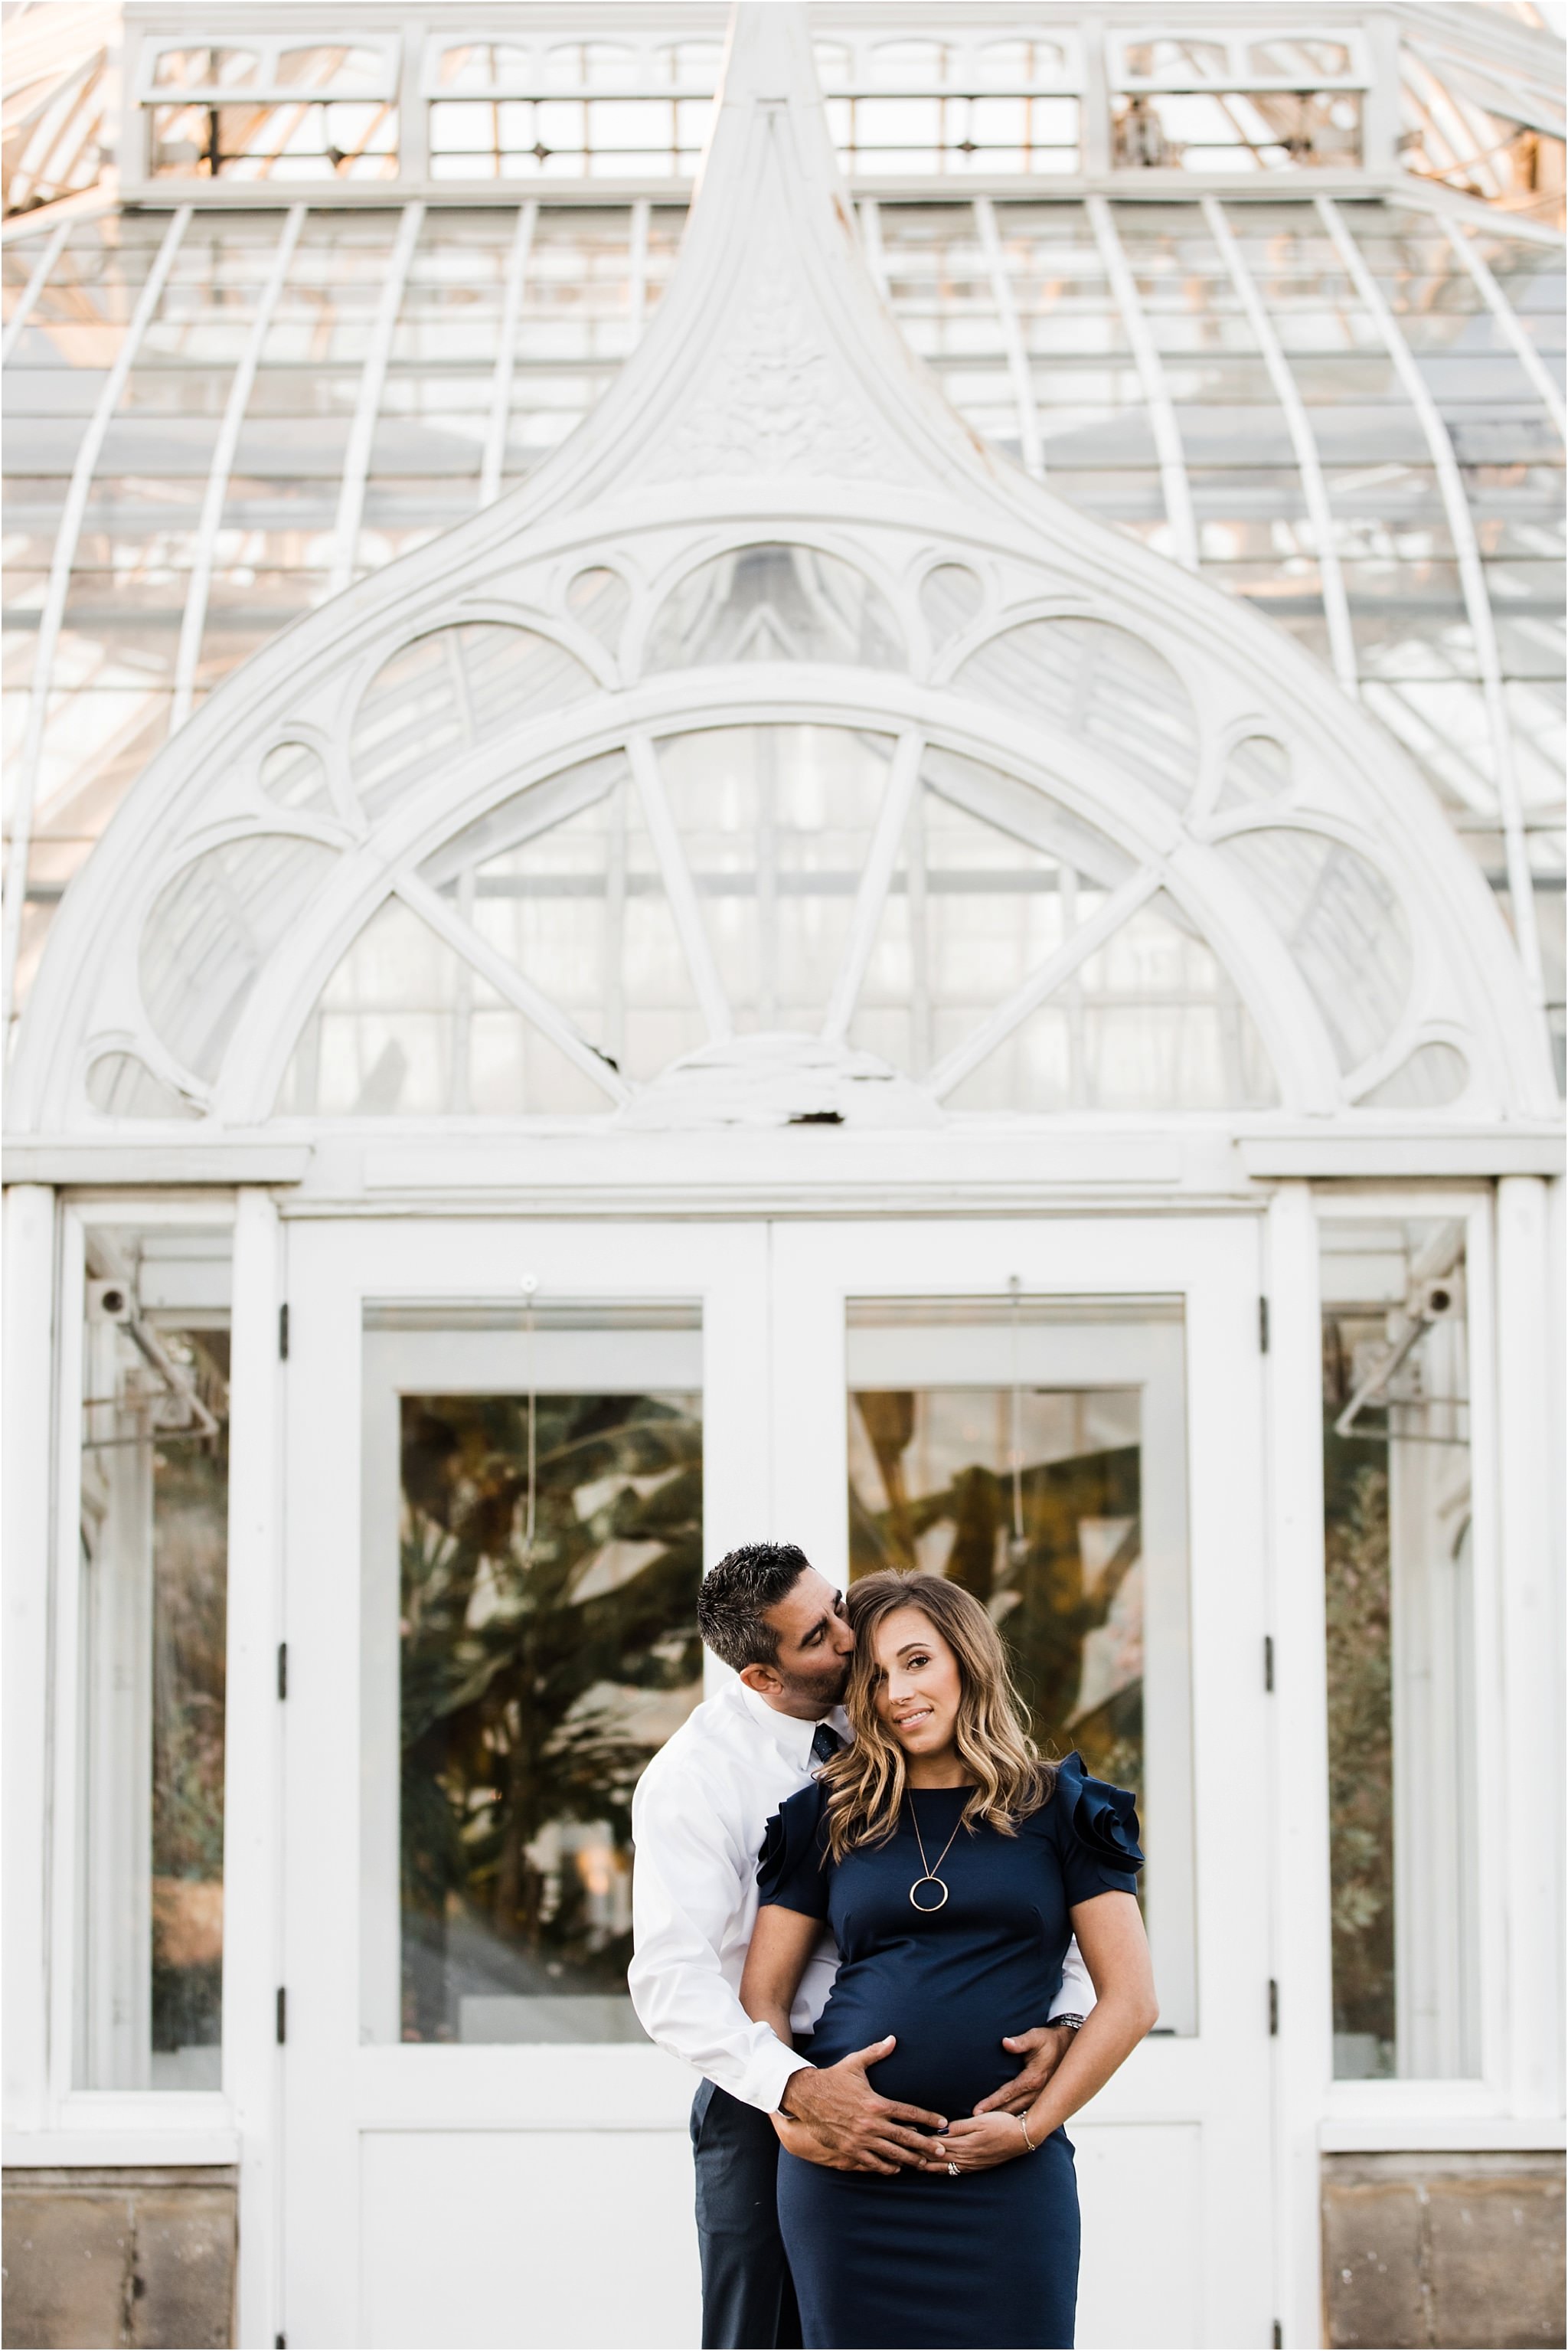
[[1036, 1454], [210, 933], [447, 692], [1099, 683], [1400, 1605], [1343, 922], [533, 1552], [405, 1027], [154, 1562], [775, 603], [776, 823]]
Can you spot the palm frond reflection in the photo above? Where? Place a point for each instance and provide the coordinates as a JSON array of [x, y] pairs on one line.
[[537, 1680]]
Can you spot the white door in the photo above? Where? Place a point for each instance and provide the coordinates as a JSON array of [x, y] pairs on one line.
[[509, 1446]]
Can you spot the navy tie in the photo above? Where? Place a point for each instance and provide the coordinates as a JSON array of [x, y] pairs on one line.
[[825, 1743]]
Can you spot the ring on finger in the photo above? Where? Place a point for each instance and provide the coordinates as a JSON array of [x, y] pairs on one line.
[[952, 2170]]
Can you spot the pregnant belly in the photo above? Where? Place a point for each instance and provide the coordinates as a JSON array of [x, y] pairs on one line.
[[949, 2052]]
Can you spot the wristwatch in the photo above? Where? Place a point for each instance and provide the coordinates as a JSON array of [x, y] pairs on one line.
[[1073, 2023]]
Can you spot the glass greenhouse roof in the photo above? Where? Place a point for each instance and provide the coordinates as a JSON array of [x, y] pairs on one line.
[[1196, 316]]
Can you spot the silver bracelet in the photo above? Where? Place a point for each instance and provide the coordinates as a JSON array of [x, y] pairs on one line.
[[1023, 2126]]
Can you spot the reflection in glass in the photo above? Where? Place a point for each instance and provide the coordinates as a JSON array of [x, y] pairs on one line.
[[549, 1646], [1054, 1552], [211, 931], [1344, 923], [154, 1555], [1101, 683], [776, 823], [1401, 1637], [1034, 1449], [775, 603], [446, 693]]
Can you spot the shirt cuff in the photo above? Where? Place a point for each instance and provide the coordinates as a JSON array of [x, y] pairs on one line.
[[770, 2071]]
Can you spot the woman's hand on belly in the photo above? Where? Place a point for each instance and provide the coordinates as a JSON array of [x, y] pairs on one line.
[[980, 2143]]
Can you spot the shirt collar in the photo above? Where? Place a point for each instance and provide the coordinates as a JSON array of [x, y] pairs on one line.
[[791, 1737]]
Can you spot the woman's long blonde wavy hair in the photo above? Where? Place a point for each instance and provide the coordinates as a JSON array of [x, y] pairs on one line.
[[865, 1782]]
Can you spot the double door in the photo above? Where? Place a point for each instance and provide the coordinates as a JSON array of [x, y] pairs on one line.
[[511, 1448]]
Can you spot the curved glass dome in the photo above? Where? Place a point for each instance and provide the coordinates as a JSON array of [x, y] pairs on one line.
[[1327, 382]]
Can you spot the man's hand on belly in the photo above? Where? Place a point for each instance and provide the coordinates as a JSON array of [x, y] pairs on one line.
[[859, 2130], [1043, 2050], [799, 2139]]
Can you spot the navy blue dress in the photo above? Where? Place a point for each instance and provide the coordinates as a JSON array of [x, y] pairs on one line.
[[989, 2258]]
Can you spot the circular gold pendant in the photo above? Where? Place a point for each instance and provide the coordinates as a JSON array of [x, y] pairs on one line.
[[926, 1906]]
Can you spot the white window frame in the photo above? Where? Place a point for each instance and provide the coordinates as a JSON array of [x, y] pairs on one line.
[[1390, 2107], [83, 2124]]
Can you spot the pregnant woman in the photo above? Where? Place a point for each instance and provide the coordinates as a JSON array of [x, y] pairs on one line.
[[952, 1865]]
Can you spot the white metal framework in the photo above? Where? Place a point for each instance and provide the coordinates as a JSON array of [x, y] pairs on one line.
[[678, 581]]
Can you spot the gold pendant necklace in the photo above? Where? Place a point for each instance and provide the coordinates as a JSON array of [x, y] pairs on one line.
[[930, 1877]]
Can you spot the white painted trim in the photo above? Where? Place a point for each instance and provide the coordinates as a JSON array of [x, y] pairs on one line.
[[504, 978], [1298, 1871], [91, 2150], [680, 889], [366, 405], [507, 353], [1336, 609], [876, 877], [1152, 375], [1472, 578], [871, 247], [33, 289], [253, 1856], [1029, 449], [53, 614], [63, 1810], [194, 620], [1429, 2134], [637, 270], [27, 1335], [1509, 319], [1117, 909], [1530, 1496], [1492, 1892]]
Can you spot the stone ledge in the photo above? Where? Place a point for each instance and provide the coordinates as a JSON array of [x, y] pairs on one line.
[[142, 2257], [1461, 2250]]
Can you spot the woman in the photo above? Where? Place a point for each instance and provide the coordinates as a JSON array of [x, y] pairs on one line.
[[953, 1866]]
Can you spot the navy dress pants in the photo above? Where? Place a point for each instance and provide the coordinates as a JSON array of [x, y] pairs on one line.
[[749, 2300]]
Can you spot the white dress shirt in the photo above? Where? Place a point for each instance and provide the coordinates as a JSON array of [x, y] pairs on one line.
[[697, 1822]]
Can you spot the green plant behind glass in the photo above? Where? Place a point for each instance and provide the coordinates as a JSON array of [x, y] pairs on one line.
[[535, 1682]]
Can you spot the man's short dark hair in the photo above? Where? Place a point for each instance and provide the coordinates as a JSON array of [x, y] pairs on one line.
[[733, 1596]]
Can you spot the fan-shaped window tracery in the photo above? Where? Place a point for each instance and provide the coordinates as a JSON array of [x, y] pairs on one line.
[[1099, 683], [406, 1027], [449, 690], [775, 603], [210, 933], [1345, 926]]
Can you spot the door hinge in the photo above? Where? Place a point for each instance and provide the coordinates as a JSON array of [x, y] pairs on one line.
[[280, 2342], [1277, 2338], [282, 2015], [1262, 1326], [1267, 1662], [283, 1669], [1273, 2007], [283, 1332]]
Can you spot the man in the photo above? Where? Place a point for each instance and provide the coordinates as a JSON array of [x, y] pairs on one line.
[[697, 1820]]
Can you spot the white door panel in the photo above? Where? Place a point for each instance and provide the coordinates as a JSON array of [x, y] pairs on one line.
[[505, 2192]]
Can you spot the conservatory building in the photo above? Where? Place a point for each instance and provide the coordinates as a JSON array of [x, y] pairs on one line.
[[797, 775]]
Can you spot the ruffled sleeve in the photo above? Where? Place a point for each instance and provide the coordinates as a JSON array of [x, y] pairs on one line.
[[1096, 1829], [792, 1868]]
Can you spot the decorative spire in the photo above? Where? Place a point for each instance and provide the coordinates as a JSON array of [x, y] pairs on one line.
[[772, 354]]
